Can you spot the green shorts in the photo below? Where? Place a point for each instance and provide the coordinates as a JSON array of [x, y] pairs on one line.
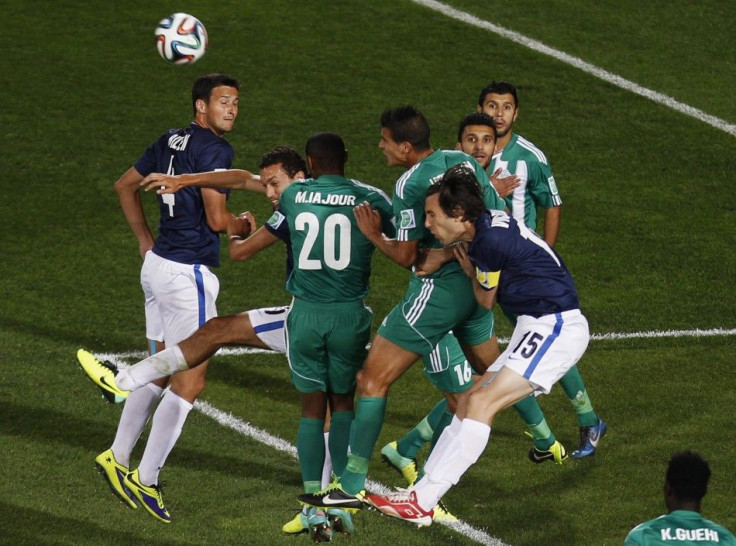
[[431, 308], [326, 344], [447, 368]]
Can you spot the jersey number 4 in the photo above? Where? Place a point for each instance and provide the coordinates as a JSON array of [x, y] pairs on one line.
[[335, 239]]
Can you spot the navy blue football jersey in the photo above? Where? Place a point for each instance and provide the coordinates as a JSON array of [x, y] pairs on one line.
[[533, 278], [183, 233], [280, 229]]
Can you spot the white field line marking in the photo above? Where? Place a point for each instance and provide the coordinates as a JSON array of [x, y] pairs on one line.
[[618, 81], [230, 351]]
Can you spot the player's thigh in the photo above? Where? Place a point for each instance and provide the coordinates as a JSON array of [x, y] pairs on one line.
[[494, 392], [346, 348], [385, 363], [447, 368], [305, 350], [186, 296], [429, 309]]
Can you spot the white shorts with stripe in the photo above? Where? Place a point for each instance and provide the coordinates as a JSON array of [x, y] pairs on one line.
[[180, 298], [268, 325], [543, 349]]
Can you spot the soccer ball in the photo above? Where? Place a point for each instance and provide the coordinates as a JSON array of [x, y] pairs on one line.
[[181, 38]]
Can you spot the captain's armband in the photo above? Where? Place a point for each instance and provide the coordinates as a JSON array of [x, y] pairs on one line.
[[487, 279]]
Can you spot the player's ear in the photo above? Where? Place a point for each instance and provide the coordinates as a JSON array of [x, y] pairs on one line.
[[201, 106], [345, 158], [458, 146]]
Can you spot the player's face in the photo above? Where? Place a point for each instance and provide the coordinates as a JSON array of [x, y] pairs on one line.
[[392, 150], [479, 142], [275, 180], [222, 109], [447, 230], [503, 111]]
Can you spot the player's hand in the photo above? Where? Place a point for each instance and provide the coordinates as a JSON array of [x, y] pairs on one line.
[[162, 183], [368, 220], [461, 253], [241, 226], [504, 185]]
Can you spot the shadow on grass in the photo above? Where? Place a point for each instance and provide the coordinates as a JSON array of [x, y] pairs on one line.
[[27, 526], [47, 425]]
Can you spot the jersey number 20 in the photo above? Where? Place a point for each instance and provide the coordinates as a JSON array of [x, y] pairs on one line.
[[336, 241]]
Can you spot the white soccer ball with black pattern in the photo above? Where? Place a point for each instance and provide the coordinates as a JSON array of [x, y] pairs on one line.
[[181, 38]]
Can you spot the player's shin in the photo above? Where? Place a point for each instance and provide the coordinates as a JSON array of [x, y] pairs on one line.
[[443, 470]]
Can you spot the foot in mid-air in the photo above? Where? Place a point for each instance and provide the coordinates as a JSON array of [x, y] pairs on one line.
[[589, 438], [103, 375], [114, 474], [149, 496], [402, 505], [405, 466], [556, 453]]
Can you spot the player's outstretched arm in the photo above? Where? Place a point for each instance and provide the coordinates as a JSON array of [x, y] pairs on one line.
[[231, 179]]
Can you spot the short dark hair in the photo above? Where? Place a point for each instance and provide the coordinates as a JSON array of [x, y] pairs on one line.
[[288, 158], [498, 88], [476, 118], [326, 150], [459, 194], [407, 124], [687, 475], [203, 86]]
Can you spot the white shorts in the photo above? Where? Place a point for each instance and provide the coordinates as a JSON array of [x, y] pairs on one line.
[[180, 298], [543, 349], [268, 325]]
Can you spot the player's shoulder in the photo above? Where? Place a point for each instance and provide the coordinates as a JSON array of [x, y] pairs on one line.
[[289, 193], [368, 192], [527, 150]]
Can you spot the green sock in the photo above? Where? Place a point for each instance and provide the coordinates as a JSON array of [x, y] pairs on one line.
[[340, 439], [310, 446], [529, 410], [445, 420], [410, 444], [572, 384], [369, 414]]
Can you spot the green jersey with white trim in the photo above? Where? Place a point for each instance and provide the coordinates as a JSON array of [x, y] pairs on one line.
[[410, 193], [536, 187], [332, 258], [680, 527]]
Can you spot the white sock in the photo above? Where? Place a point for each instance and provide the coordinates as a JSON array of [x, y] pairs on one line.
[[327, 466], [167, 362], [452, 464], [167, 423], [136, 411], [444, 442]]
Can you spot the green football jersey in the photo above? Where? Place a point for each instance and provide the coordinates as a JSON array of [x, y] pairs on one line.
[[536, 187], [332, 258], [410, 193], [681, 527]]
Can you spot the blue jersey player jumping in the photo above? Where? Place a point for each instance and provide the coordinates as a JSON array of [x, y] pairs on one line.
[[180, 290], [511, 265]]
